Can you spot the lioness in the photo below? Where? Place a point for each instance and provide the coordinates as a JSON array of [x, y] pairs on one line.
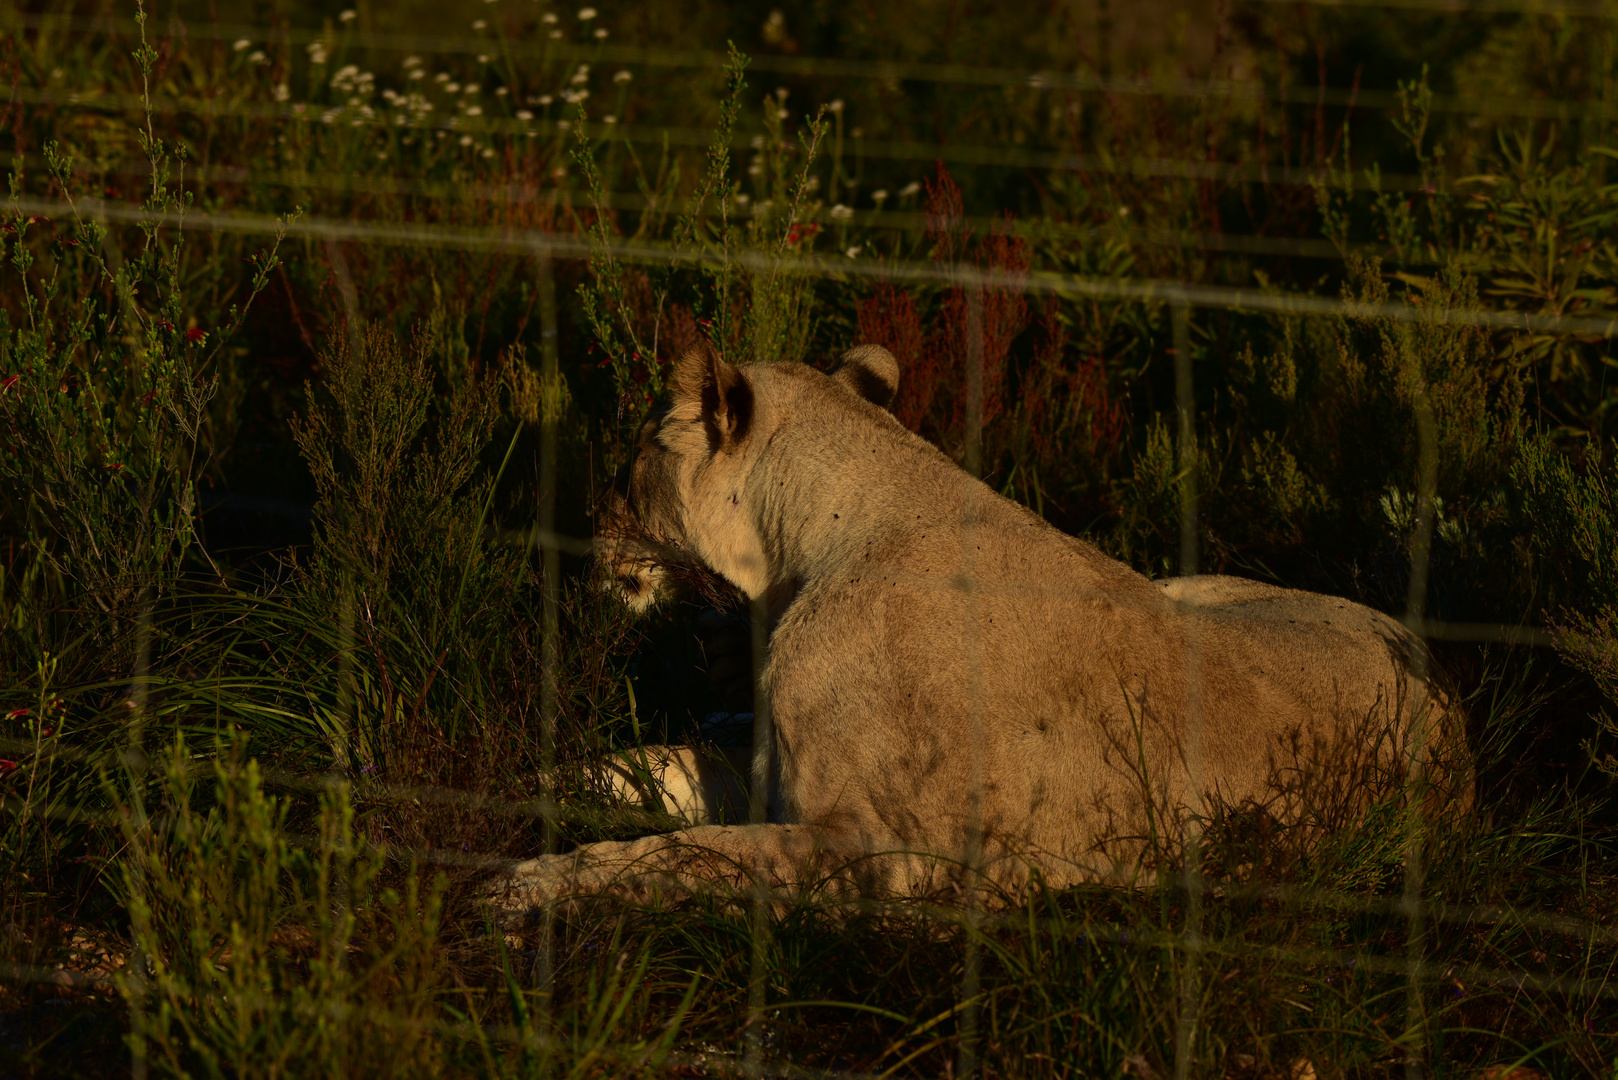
[[957, 687]]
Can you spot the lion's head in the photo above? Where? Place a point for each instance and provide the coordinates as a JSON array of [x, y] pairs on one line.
[[686, 495]]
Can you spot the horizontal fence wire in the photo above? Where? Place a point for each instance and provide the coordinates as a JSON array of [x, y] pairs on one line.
[[576, 246], [1301, 95], [1603, 985], [526, 194], [950, 153]]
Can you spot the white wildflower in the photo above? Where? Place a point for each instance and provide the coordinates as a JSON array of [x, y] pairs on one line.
[[441, 77], [609, 119], [840, 212], [1123, 211], [909, 189], [543, 99], [348, 16], [452, 88], [483, 58], [479, 24], [564, 125], [258, 56], [466, 140], [412, 61], [472, 88], [241, 43], [476, 110], [556, 35], [282, 91], [756, 142], [586, 14], [486, 151], [742, 198], [499, 91], [601, 33], [524, 114], [549, 18], [836, 106], [853, 251], [418, 73], [622, 76]]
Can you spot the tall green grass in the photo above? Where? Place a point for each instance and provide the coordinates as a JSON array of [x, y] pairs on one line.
[[258, 767]]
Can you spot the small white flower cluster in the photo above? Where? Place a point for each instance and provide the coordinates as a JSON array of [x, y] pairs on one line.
[[348, 16], [409, 109], [351, 80], [841, 212], [910, 189], [257, 56], [413, 68], [359, 86], [317, 52], [578, 90]]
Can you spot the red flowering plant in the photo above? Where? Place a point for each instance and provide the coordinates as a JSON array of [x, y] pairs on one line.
[[107, 399]]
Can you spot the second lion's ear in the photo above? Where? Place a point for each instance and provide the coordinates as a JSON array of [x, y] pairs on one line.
[[720, 393], [871, 372]]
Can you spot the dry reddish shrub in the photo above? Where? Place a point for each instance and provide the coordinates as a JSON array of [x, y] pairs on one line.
[[889, 319]]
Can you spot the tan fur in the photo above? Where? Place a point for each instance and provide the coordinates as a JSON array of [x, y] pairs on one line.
[[955, 683]]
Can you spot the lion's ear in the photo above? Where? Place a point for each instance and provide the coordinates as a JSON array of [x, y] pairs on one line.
[[721, 395], [871, 372]]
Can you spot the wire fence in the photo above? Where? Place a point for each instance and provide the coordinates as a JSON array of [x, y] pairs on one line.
[[976, 916]]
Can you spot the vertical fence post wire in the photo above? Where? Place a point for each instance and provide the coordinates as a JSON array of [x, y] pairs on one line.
[[971, 960], [342, 736], [757, 811], [136, 757], [1411, 905], [1186, 1018], [347, 699], [550, 619]]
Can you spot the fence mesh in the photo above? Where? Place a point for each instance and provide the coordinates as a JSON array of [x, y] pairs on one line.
[[572, 989]]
